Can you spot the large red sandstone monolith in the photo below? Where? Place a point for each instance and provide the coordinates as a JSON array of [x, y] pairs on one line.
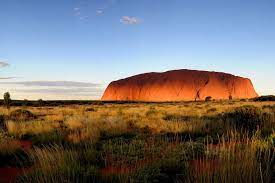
[[180, 85]]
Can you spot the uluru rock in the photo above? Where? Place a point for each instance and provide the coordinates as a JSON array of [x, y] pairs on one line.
[[180, 85]]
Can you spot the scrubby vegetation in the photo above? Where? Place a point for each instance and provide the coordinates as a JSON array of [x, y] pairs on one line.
[[21, 115], [265, 98], [7, 100], [213, 141], [247, 117]]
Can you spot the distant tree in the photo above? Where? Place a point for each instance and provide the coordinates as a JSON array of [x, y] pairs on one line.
[[25, 102], [7, 100], [40, 102], [230, 97]]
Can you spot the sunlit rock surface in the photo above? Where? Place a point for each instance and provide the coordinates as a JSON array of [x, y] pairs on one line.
[[180, 85]]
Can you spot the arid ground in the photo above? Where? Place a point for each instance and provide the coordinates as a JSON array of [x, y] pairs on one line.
[[214, 141]]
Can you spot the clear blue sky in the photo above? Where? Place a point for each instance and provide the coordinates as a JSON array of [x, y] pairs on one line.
[[97, 41]]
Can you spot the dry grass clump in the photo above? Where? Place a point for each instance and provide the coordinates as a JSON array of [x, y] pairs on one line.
[[20, 129], [76, 122], [59, 164], [223, 162]]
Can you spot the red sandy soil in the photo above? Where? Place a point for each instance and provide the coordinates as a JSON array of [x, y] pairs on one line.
[[26, 145], [9, 174], [179, 85]]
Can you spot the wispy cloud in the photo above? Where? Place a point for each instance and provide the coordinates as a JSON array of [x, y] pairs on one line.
[[3, 64], [7, 78], [78, 13], [106, 5], [80, 92], [52, 90], [130, 20], [83, 17], [99, 12], [53, 83]]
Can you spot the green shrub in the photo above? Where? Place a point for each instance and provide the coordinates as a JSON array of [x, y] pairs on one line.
[[148, 174], [21, 115], [2, 121], [247, 117], [174, 162]]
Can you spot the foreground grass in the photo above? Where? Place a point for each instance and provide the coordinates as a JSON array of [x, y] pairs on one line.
[[181, 142]]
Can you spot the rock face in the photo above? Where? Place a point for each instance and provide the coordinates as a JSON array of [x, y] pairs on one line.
[[180, 85]]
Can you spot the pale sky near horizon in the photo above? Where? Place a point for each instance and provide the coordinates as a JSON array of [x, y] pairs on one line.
[[72, 49]]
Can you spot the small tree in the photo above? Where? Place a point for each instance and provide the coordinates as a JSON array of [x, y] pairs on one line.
[[40, 102], [7, 100], [25, 102]]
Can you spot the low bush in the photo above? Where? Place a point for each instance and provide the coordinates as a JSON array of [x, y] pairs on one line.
[[98, 103], [90, 109], [148, 174], [207, 99], [247, 117], [21, 115], [265, 98]]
